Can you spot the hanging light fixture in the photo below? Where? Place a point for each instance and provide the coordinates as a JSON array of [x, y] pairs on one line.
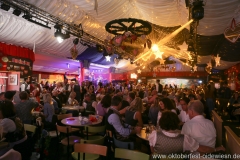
[[198, 10], [58, 33]]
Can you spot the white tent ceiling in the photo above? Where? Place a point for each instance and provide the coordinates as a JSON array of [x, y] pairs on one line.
[[167, 13]]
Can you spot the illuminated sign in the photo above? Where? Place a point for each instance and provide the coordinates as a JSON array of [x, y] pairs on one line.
[[133, 76]]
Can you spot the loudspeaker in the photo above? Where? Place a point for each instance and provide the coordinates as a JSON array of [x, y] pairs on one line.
[[112, 69], [86, 64]]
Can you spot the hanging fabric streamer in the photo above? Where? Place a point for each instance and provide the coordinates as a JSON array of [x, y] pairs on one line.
[[96, 6]]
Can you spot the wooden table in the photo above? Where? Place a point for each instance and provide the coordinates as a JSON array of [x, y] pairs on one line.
[[73, 108], [236, 105], [75, 121], [143, 135]]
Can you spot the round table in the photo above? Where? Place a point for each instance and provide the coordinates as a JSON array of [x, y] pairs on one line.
[[236, 105], [74, 121], [143, 135], [73, 108]]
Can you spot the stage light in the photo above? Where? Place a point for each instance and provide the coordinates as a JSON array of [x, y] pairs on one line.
[[58, 33], [17, 12], [5, 7], [59, 39], [99, 48], [75, 41], [27, 16], [155, 48], [197, 10], [68, 65]]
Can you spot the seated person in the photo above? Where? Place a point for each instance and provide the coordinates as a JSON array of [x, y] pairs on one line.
[[114, 122], [55, 97], [88, 101], [48, 111], [177, 143], [133, 114], [71, 100], [103, 106], [24, 108], [183, 116], [13, 128], [153, 111]]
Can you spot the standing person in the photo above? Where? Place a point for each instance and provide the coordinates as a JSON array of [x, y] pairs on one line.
[[83, 90], [210, 96], [59, 88], [55, 97], [77, 90], [24, 108], [36, 92], [46, 86], [48, 111], [200, 96], [66, 91], [224, 96], [198, 127], [25, 85]]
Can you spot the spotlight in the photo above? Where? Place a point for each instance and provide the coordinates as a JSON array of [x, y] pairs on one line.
[[68, 65], [17, 12], [75, 41], [27, 16], [58, 33], [155, 48], [131, 61], [99, 48], [197, 10], [5, 7]]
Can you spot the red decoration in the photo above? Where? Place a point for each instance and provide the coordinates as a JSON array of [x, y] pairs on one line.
[[232, 33]]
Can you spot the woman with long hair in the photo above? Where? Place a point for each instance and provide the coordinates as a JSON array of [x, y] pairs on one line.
[[133, 114], [153, 111], [165, 105]]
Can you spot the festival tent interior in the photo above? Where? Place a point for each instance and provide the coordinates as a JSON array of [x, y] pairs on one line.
[[127, 35]]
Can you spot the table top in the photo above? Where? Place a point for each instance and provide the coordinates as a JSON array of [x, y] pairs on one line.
[[236, 105], [75, 121], [72, 107], [143, 135]]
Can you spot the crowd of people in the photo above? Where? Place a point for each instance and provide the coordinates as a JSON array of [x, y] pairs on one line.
[[182, 117]]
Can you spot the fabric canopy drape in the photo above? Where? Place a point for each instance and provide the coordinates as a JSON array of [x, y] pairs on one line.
[[11, 50]]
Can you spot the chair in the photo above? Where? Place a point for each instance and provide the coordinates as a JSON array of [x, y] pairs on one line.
[[31, 140], [99, 141], [62, 116], [11, 154], [121, 144], [92, 130], [30, 128], [90, 151], [217, 121], [69, 140], [232, 142], [112, 141], [129, 154]]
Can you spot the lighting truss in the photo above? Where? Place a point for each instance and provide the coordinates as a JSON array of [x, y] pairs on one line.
[[43, 18]]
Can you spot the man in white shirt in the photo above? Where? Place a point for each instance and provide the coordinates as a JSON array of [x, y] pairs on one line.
[[183, 116], [199, 128], [25, 86]]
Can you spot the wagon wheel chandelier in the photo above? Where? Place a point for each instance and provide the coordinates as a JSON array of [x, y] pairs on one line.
[[137, 27]]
